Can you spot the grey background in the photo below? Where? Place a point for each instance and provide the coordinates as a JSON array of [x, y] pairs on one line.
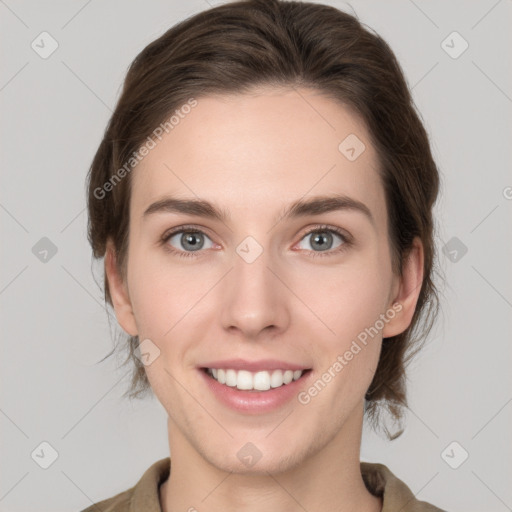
[[54, 324]]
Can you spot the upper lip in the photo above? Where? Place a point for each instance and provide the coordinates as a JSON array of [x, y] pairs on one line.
[[254, 366]]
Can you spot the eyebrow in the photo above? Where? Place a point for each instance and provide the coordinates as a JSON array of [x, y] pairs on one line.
[[300, 208]]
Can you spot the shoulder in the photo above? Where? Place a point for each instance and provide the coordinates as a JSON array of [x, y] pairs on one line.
[[118, 503], [144, 495], [395, 494]]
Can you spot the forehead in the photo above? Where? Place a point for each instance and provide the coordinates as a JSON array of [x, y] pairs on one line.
[[253, 151]]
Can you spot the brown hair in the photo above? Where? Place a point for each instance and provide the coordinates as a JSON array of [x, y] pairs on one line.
[[237, 46]]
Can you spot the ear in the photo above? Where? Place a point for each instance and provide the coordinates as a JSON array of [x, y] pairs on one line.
[[409, 288], [119, 293]]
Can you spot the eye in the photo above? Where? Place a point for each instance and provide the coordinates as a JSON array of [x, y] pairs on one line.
[[188, 241], [321, 240]]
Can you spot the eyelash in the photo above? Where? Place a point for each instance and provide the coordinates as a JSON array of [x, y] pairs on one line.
[[347, 242]]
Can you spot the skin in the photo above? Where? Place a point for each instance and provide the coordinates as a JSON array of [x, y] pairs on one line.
[[252, 155]]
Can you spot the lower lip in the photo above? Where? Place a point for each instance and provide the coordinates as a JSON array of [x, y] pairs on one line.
[[255, 402]]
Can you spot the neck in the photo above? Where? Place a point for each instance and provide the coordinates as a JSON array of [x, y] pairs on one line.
[[326, 477]]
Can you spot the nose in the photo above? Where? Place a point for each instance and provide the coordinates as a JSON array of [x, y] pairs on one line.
[[254, 300]]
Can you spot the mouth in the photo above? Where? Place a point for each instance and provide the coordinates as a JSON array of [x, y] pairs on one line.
[[259, 381]]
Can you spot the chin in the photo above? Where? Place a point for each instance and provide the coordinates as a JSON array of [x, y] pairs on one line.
[[256, 458]]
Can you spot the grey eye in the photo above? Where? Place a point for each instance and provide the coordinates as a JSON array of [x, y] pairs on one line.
[[190, 240], [322, 240]]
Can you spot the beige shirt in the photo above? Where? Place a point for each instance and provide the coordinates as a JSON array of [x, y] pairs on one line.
[[144, 495]]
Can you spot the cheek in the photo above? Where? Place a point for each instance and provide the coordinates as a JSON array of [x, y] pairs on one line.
[[170, 299], [351, 306], [157, 292], [349, 298]]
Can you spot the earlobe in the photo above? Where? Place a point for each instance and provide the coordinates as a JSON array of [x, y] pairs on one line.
[[118, 292], [409, 290]]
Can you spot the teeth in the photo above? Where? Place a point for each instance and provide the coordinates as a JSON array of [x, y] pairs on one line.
[[259, 381], [276, 380]]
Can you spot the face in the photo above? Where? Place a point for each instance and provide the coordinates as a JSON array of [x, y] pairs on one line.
[[256, 286]]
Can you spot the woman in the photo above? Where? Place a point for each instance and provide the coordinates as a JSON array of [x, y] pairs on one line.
[[263, 200]]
